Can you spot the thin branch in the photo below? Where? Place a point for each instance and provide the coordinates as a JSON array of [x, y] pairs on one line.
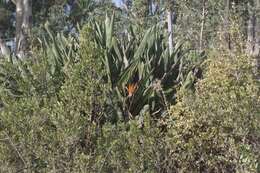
[[14, 147], [14, 1], [3, 140], [171, 69], [108, 152]]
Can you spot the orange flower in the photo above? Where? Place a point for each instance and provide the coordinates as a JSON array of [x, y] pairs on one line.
[[131, 88]]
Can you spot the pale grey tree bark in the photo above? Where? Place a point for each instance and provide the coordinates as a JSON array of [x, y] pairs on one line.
[[19, 21], [150, 6], [23, 26], [258, 32], [170, 30], [27, 15], [4, 50], [227, 38], [169, 13], [203, 17], [253, 35]]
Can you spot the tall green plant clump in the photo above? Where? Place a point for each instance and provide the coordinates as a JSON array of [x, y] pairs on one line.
[[143, 61]]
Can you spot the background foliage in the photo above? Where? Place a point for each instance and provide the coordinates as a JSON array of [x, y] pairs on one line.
[[68, 108]]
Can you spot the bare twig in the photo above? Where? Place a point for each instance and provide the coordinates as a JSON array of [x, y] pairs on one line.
[[14, 147], [2, 140], [14, 1], [108, 152]]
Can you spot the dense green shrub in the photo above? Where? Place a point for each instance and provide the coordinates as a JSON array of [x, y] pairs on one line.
[[216, 129], [50, 121], [124, 147]]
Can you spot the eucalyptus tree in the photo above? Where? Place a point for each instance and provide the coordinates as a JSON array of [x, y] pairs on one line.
[[146, 13], [62, 15], [4, 50], [253, 33], [23, 26], [169, 7]]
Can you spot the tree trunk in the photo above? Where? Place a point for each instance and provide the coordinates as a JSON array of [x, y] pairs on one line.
[[19, 22], [202, 24], [253, 35], [150, 6], [257, 46], [23, 26], [227, 38], [4, 50], [250, 29], [170, 30], [27, 16]]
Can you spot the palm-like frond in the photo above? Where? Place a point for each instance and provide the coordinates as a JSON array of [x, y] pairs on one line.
[[148, 58]]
